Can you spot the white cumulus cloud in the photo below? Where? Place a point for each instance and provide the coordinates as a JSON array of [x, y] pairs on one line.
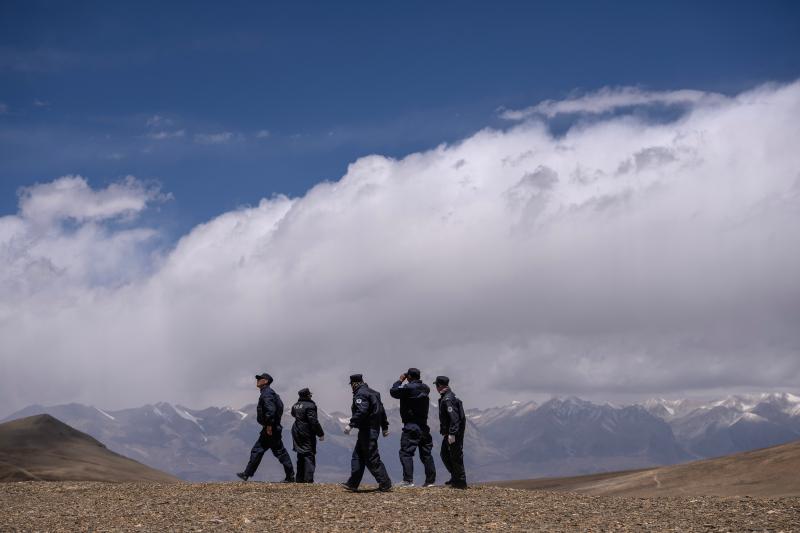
[[59, 243], [70, 197], [623, 257]]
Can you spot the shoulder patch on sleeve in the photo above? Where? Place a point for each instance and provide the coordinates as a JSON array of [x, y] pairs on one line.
[[358, 400], [449, 409]]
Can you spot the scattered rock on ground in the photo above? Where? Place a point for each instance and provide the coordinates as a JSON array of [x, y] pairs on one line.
[[94, 506]]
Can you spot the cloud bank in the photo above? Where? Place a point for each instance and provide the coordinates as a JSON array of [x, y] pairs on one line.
[[623, 257], [63, 242]]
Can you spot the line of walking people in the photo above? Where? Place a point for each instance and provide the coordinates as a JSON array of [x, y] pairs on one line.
[[368, 416]]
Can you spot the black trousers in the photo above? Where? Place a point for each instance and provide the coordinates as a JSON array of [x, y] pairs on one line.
[[365, 455], [417, 436], [274, 443], [306, 464], [453, 459]]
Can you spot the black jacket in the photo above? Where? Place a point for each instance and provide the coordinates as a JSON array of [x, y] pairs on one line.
[[367, 409], [270, 408], [306, 427], [414, 401], [452, 420]]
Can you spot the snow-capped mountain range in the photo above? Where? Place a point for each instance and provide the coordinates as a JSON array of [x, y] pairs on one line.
[[732, 424], [563, 436]]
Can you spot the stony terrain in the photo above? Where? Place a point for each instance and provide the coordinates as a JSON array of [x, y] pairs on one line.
[[93, 506]]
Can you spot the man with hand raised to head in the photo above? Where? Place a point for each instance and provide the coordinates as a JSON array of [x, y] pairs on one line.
[[270, 411], [414, 398], [369, 417]]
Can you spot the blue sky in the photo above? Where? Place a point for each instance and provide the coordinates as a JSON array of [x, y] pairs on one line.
[[591, 198], [225, 104]]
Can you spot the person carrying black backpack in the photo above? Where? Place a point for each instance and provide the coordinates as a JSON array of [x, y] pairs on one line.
[[305, 431]]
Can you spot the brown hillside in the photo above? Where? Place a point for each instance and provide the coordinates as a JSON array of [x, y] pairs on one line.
[[44, 448], [768, 472]]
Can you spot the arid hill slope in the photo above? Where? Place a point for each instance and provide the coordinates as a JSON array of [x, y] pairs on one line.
[[43, 448], [769, 472]]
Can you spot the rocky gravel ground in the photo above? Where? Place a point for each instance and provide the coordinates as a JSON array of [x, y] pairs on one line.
[[85, 506]]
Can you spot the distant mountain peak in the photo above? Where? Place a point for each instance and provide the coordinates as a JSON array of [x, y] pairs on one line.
[[41, 431], [566, 402]]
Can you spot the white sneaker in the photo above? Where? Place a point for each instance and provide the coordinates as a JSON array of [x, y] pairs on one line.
[[404, 485], [428, 485]]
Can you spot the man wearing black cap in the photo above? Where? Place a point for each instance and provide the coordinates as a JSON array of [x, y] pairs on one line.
[[369, 417], [414, 404], [305, 430], [452, 423], [270, 411]]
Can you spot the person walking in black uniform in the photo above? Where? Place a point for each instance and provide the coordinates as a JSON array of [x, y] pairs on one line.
[[415, 402], [305, 430], [270, 411], [369, 417], [452, 423]]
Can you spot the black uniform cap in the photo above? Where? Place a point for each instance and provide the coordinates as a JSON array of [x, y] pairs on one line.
[[304, 393], [413, 373], [442, 380], [264, 375], [356, 378]]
